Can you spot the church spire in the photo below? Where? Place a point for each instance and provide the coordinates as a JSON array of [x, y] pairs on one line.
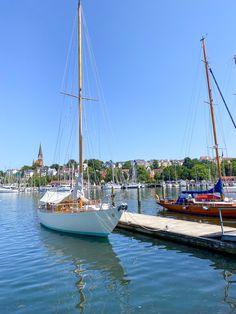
[[40, 154], [40, 157]]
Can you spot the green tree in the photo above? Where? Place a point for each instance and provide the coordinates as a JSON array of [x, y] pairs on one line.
[[125, 176], [158, 176], [184, 173], [142, 174], [95, 177], [233, 166], [72, 163], [25, 168], [39, 180], [108, 177], [127, 165], [190, 163], [199, 172], [95, 164], [55, 166], [155, 164], [169, 173], [92, 175]]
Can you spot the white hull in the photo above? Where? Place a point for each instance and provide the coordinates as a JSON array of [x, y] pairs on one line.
[[133, 186], [110, 186], [230, 188], [95, 223], [8, 190]]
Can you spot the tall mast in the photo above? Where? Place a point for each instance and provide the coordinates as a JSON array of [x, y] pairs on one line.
[[212, 110], [80, 90]]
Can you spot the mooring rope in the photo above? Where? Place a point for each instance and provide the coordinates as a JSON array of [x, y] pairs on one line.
[[142, 227]]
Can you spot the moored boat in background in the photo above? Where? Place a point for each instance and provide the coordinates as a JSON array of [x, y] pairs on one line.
[[8, 189], [208, 202]]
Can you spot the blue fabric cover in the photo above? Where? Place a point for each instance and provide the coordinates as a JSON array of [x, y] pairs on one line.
[[218, 188], [182, 200]]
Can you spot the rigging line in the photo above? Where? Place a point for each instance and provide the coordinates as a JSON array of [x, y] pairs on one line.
[[70, 139], [88, 92], [69, 52], [194, 118], [57, 140], [88, 133], [193, 122], [187, 132], [90, 149], [219, 122], [227, 75], [187, 124], [61, 127], [85, 120], [206, 126], [72, 66], [88, 85], [98, 80], [210, 148], [71, 111], [222, 97], [66, 69]]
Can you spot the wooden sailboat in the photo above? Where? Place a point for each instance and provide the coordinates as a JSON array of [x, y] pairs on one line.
[[70, 211], [207, 202]]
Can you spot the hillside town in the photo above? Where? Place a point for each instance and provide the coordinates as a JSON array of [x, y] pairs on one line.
[[97, 172]]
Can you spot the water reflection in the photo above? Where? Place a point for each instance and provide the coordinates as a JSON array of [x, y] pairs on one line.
[[210, 271], [48, 272], [230, 280], [86, 254], [225, 265]]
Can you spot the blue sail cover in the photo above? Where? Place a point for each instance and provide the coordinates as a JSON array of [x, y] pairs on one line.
[[218, 188]]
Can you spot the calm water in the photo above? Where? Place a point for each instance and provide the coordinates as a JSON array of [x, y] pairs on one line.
[[42, 271]]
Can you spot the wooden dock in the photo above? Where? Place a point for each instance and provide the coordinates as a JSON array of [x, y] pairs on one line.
[[195, 234]]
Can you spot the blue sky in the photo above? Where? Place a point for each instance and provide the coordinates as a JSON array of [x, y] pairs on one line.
[[148, 55]]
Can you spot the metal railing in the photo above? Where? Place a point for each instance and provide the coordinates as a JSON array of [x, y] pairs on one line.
[[227, 236]]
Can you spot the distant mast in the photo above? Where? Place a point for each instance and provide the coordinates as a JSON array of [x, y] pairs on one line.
[[216, 146]]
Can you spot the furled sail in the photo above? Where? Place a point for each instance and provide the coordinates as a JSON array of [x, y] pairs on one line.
[[78, 190]]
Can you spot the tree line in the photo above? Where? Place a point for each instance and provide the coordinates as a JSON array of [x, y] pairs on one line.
[[97, 172]]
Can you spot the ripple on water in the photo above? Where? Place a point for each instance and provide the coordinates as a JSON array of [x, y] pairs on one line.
[[47, 272]]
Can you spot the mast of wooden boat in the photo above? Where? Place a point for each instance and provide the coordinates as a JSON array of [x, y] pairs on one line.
[[80, 82], [216, 146]]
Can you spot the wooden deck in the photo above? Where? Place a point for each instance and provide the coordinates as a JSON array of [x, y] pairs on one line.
[[196, 234]]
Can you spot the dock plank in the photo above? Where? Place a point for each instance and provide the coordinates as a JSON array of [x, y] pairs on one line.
[[197, 234]]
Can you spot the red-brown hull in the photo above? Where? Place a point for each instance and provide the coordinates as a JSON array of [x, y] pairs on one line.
[[201, 209]]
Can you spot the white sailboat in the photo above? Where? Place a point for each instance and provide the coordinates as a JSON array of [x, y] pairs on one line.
[[8, 189], [112, 185], [133, 184], [70, 211]]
